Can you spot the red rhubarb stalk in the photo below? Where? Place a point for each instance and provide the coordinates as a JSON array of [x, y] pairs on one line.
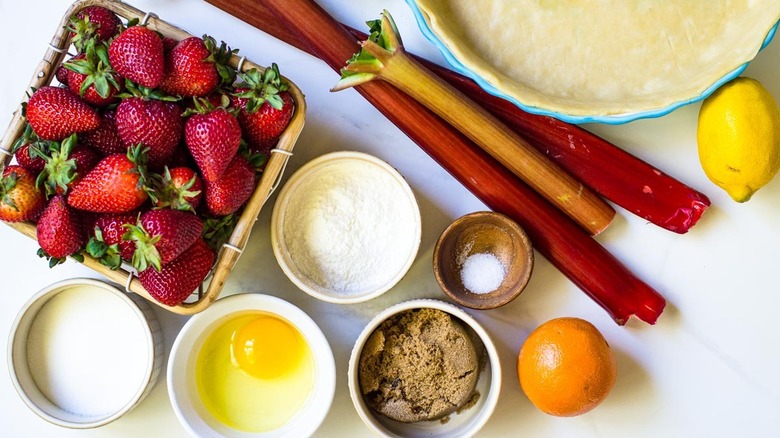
[[583, 260], [610, 171], [630, 182]]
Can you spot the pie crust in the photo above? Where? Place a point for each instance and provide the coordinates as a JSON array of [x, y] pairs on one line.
[[601, 57]]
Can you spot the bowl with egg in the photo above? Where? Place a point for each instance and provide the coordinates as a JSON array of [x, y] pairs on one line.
[[562, 59], [251, 365], [83, 353], [424, 368]]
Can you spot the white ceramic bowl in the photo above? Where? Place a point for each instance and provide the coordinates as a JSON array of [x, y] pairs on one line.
[[292, 262], [182, 388], [142, 319], [461, 424]]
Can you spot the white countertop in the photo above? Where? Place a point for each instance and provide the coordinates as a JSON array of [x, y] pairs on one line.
[[708, 368]]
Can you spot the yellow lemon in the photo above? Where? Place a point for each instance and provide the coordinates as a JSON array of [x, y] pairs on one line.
[[739, 137]]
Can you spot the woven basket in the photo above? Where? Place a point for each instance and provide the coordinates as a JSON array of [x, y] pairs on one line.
[[232, 249]]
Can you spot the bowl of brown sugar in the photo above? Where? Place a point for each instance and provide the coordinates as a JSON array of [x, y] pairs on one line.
[[424, 368]]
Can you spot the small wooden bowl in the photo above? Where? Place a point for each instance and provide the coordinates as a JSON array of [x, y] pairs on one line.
[[478, 233]]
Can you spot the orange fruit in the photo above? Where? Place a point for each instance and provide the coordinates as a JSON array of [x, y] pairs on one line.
[[566, 367]]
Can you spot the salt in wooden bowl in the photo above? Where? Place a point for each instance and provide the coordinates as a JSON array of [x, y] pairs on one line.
[[477, 233]]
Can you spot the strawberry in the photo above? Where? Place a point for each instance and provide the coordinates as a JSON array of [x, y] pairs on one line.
[[59, 231], [179, 188], [65, 165], [28, 158], [233, 189], [181, 158], [213, 139], [161, 235], [265, 107], [137, 54], [169, 43], [114, 185], [93, 23], [105, 139], [91, 77], [106, 242], [55, 113], [179, 278], [154, 123], [195, 67], [20, 200], [30, 151], [217, 230], [62, 75]]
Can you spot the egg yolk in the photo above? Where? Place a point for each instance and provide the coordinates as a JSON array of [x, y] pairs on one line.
[[266, 348]]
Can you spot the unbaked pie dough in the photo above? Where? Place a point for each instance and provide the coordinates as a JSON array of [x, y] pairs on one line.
[[601, 57]]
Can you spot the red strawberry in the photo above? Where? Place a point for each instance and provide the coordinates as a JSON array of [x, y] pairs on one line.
[[105, 139], [93, 23], [169, 43], [28, 159], [20, 200], [65, 165], [179, 278], [106, 244], [59, 231], [55, 113], [217, 230], [62, 75], [179, 188], [30, 151], [229, 193], [154, 123], [137, 54], [213, 139], [195, 67], [91, 77], [265, 108], [114, 185], [161, 235], [181, 158]]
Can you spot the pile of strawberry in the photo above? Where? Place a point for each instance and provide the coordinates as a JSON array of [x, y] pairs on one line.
[[145, 154]]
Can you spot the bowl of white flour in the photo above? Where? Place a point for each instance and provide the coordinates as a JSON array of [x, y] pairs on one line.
[[83, 353], [346, 227]]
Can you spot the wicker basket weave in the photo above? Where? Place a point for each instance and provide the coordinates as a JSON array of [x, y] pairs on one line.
[[232, 249]]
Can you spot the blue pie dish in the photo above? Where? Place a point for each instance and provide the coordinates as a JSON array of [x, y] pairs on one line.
[[611, 119]]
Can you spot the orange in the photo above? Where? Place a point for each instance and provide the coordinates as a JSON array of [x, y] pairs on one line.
[[566, 367]]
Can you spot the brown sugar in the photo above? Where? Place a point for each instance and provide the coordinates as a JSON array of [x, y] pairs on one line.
[[418, 365]]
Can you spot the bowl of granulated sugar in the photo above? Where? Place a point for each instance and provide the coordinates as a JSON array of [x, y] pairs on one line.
[[483, 260], [346, 227], [82, 353]]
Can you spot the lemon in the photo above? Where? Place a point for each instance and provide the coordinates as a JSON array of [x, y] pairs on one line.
[[739, 137]]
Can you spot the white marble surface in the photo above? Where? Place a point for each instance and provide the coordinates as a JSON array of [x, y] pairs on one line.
[[708, 368]]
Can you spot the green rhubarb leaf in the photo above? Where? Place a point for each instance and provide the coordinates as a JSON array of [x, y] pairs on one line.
[[368, 63]]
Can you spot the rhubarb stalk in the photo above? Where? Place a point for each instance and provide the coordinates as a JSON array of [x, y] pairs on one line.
[[586, 263], [383, 57]]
